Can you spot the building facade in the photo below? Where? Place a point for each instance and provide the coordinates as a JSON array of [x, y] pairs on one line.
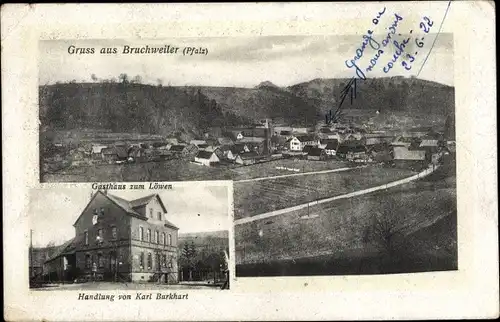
[[118, 239]]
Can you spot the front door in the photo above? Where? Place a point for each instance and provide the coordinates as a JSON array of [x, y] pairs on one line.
[[112, 264]]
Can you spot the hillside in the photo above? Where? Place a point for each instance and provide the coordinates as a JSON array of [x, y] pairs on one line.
[[388, 94], [126, 107], [264, 101], [139, 108], [205, 238]]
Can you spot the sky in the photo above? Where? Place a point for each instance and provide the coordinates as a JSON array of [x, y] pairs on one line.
[[240, 61], [192, 208]]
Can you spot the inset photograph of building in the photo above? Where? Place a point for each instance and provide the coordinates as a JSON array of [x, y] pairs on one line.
[[127, 239]]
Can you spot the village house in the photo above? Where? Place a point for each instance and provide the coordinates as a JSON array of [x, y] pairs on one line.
[[97, 152], [307, 140], [351, 150], [177, 149], [402, 141], [405, 153], [316, 154], [203, 146], [294, 144], [246, 158], [118, 239], [190, 151], [60, 266], [225, 141], [239, 148], [206, 158], [172, 141], [330, 146], [197, 142], [226, 152], [256, 144], [306, 149]]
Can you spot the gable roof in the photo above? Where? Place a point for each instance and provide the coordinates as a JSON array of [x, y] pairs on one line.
[[67, 247], [332, 145], [121, 151], [145, 200], [307, 148], [351, 147], [429, 142], [305, 138], [197, 142], [177, 148], [204, 154], [315, 152], [238, 148], [249, 155], [224, 140], [252, 139], [127, 206]]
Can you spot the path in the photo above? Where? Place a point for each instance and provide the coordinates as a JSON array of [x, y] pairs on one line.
[[274, 213], [300, 174]]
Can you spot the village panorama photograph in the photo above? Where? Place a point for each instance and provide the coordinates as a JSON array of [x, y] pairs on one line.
[[332, 174], [86, 239]]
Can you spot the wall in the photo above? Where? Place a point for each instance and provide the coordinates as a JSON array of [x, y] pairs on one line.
[[123, 257], [114, 216], [143, 273]]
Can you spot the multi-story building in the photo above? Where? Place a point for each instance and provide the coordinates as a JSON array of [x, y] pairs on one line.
[[118, 239]]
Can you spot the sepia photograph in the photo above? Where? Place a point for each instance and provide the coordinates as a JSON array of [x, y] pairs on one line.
[[104, 239], [249, 161], [353, 174]]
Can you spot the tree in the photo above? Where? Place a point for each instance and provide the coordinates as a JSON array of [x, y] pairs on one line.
[[123, 78], [51, 248], [188, 258], [93, 77], [137, 79], [389, 225], [159, 81]]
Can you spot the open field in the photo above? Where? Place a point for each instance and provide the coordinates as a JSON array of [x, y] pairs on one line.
[[429, 250], [252, 198], [333, 238], [183, 170], [268, 169]]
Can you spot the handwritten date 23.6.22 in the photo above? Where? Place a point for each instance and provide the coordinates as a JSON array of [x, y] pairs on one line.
[[425, 25]]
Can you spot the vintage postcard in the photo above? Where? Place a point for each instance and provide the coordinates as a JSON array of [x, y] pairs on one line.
[[130, 236], [254, 161]]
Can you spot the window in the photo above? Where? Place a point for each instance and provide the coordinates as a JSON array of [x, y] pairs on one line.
[[86, 233], [170, 263], [141, 233], [159, 215], [163, 238], [158, 262], [88, 261], [102, 211], [148, 236], [99, 236], [100, 260], [164, 260], [151, 212], [150, 261], [157, 237], [114, 232], [141, 260], [170, 239]]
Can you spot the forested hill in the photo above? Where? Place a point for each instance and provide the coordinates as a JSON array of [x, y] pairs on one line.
[[133, 107], [128, 107], [386, 94]]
